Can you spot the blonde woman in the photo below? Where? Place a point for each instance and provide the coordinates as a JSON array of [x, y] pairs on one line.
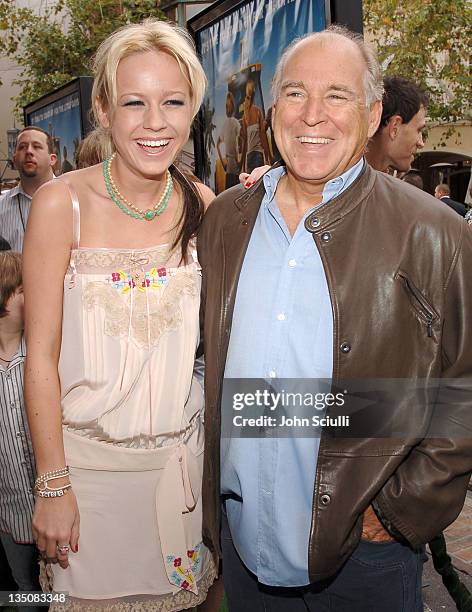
[[112, 290]]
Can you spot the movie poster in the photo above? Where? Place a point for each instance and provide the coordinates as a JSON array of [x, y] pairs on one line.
[[61, 119], [239, 54]]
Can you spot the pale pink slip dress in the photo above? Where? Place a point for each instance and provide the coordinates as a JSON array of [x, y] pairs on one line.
[[133, 429]]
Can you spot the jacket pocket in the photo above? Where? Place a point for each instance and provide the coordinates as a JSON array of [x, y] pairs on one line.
[[426, 313]]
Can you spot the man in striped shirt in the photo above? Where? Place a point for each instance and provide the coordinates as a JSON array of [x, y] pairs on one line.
[[17, 471], [34, 159]]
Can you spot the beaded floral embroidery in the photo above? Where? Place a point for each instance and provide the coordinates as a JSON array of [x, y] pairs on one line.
[[184, 578], [152, 279], [162, 310]]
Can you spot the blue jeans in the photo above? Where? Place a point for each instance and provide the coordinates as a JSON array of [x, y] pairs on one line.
[[379, 576], [23, 562]]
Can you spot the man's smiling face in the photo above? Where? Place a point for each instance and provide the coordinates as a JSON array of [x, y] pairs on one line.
[[321, 121]]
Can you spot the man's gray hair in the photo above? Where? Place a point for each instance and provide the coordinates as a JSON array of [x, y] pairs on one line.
[[373, 82]]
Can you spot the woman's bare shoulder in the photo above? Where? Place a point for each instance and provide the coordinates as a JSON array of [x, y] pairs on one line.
[[77, 178], [85, 177]]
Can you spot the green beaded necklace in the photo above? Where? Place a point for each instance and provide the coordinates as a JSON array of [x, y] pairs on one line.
[[129, 208]]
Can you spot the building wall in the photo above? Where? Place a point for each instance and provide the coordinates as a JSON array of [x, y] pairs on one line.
[[8, 73]]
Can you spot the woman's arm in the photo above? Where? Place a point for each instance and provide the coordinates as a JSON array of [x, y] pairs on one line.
[[46, 256]]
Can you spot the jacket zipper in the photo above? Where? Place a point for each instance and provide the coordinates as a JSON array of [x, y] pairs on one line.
[[423, 308]]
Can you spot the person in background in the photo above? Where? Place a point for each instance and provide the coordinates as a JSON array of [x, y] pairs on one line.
[[255, 147], [443, 193], [413, 178], [93, 149], [400, 133], [17, 468], [275, 154], [230, 138], [34, 160]]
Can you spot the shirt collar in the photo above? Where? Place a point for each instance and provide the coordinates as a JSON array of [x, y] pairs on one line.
[[331, 190], [271, 179], [336, 186], [18, 357], [19, 190]]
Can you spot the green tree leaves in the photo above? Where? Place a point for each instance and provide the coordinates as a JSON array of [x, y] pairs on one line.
[[429, 42], [57, 46]]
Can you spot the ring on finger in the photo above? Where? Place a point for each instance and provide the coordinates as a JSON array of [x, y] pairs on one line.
[[63, 549]]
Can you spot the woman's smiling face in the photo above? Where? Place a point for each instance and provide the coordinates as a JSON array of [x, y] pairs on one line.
[[152, 119]]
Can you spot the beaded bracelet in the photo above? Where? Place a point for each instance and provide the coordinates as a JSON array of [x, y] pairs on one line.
[[59, 492], [52, 475], [41, 485]]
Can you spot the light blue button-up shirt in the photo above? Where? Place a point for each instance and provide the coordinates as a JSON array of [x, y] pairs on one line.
[[282, 328]]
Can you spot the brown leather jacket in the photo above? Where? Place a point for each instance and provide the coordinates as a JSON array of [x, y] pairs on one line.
[[399, 271]]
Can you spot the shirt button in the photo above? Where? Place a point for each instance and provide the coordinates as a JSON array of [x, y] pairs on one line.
[[326, 236], [292, 263], [272, 374], [18, 434], [12, 405], [281, 316], [325, 499], [345, 347]]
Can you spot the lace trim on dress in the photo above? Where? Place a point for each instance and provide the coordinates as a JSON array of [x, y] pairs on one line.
[[171, 602], [108, 258], [162, 305]]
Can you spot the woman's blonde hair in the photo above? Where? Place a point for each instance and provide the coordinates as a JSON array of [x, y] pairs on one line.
[[149, 35]]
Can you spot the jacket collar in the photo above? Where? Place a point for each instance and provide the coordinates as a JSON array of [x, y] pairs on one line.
[[258, 189], [249, 202]]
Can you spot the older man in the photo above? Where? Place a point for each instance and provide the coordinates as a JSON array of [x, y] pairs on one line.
[[34, 159], [400, 133], [325, 270]]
